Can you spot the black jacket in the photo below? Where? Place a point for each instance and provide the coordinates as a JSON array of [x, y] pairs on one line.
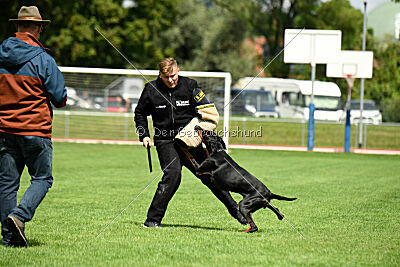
[[170, 108]]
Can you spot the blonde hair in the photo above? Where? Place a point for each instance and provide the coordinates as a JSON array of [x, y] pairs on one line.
[[167, 65]]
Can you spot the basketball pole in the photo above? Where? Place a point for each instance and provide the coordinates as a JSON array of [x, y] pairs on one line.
[[347, 131], [311, 122]]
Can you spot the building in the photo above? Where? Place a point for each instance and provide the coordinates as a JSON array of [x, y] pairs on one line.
[[385, 20]]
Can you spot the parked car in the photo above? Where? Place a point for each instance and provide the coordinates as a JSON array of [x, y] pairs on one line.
[[76, 102], [371, 113], [257, 103], [116, 104]]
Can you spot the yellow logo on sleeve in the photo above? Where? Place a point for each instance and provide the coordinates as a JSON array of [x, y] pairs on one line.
[[199, 96]]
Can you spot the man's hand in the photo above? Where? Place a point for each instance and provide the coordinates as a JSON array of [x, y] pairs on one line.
[[146, 141]]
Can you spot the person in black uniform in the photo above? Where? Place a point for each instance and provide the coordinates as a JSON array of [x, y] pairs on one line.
[[171, 100]]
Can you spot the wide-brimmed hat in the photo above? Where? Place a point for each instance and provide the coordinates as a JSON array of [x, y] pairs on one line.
[[30, 13]]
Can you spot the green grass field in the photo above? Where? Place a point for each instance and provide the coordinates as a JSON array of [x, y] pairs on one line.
[[348, 210]]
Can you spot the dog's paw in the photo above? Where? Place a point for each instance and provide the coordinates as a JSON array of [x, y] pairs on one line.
[[251, 229]]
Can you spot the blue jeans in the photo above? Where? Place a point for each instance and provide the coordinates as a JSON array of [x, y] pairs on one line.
[[16, 151]]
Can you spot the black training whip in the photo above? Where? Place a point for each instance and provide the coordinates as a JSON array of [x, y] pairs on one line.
[[149, 157]]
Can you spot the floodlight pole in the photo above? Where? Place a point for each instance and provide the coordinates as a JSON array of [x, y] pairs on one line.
[[362, 79]]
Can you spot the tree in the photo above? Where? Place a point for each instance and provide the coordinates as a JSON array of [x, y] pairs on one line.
[[384, 88], [270, 18], [144, 27], [340, 15], [134, 31], [187, 32], [10, 10], [206, 37], [75, 42]]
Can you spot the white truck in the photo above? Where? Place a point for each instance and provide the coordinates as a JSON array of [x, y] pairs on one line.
[[293, 97]]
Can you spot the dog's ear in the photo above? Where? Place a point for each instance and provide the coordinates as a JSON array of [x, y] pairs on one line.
[[220, 140]]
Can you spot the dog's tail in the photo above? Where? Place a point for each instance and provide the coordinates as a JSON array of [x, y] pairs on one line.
[[279, 197]]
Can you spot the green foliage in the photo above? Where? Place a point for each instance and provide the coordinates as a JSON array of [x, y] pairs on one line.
[[78, 43], [391, 109], [270, 18], [143, 28], [347, 210], [210, 39], [74, 40], [335, 15], [340, 15], [384, 87], [187, 32]]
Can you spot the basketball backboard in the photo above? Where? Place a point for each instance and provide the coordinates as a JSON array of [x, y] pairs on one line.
[[355, 64], [312, 46]]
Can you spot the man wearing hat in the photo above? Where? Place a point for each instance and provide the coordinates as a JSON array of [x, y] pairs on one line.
[[29, 81]]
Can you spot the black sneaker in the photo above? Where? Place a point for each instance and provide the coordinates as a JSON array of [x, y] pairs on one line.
[[148, 224], [18, 229]]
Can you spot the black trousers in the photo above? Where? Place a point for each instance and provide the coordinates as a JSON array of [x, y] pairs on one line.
[[171, 160]]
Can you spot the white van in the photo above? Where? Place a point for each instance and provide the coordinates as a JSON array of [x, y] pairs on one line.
[[293, 97]]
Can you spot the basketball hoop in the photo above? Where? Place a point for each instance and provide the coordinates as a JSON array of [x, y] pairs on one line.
[[349, 71], [350, 80], [351, 65]]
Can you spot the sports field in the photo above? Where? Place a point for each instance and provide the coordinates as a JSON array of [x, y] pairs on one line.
[[348, 210]]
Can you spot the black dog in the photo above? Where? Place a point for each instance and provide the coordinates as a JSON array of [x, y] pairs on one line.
[[229, 176]]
